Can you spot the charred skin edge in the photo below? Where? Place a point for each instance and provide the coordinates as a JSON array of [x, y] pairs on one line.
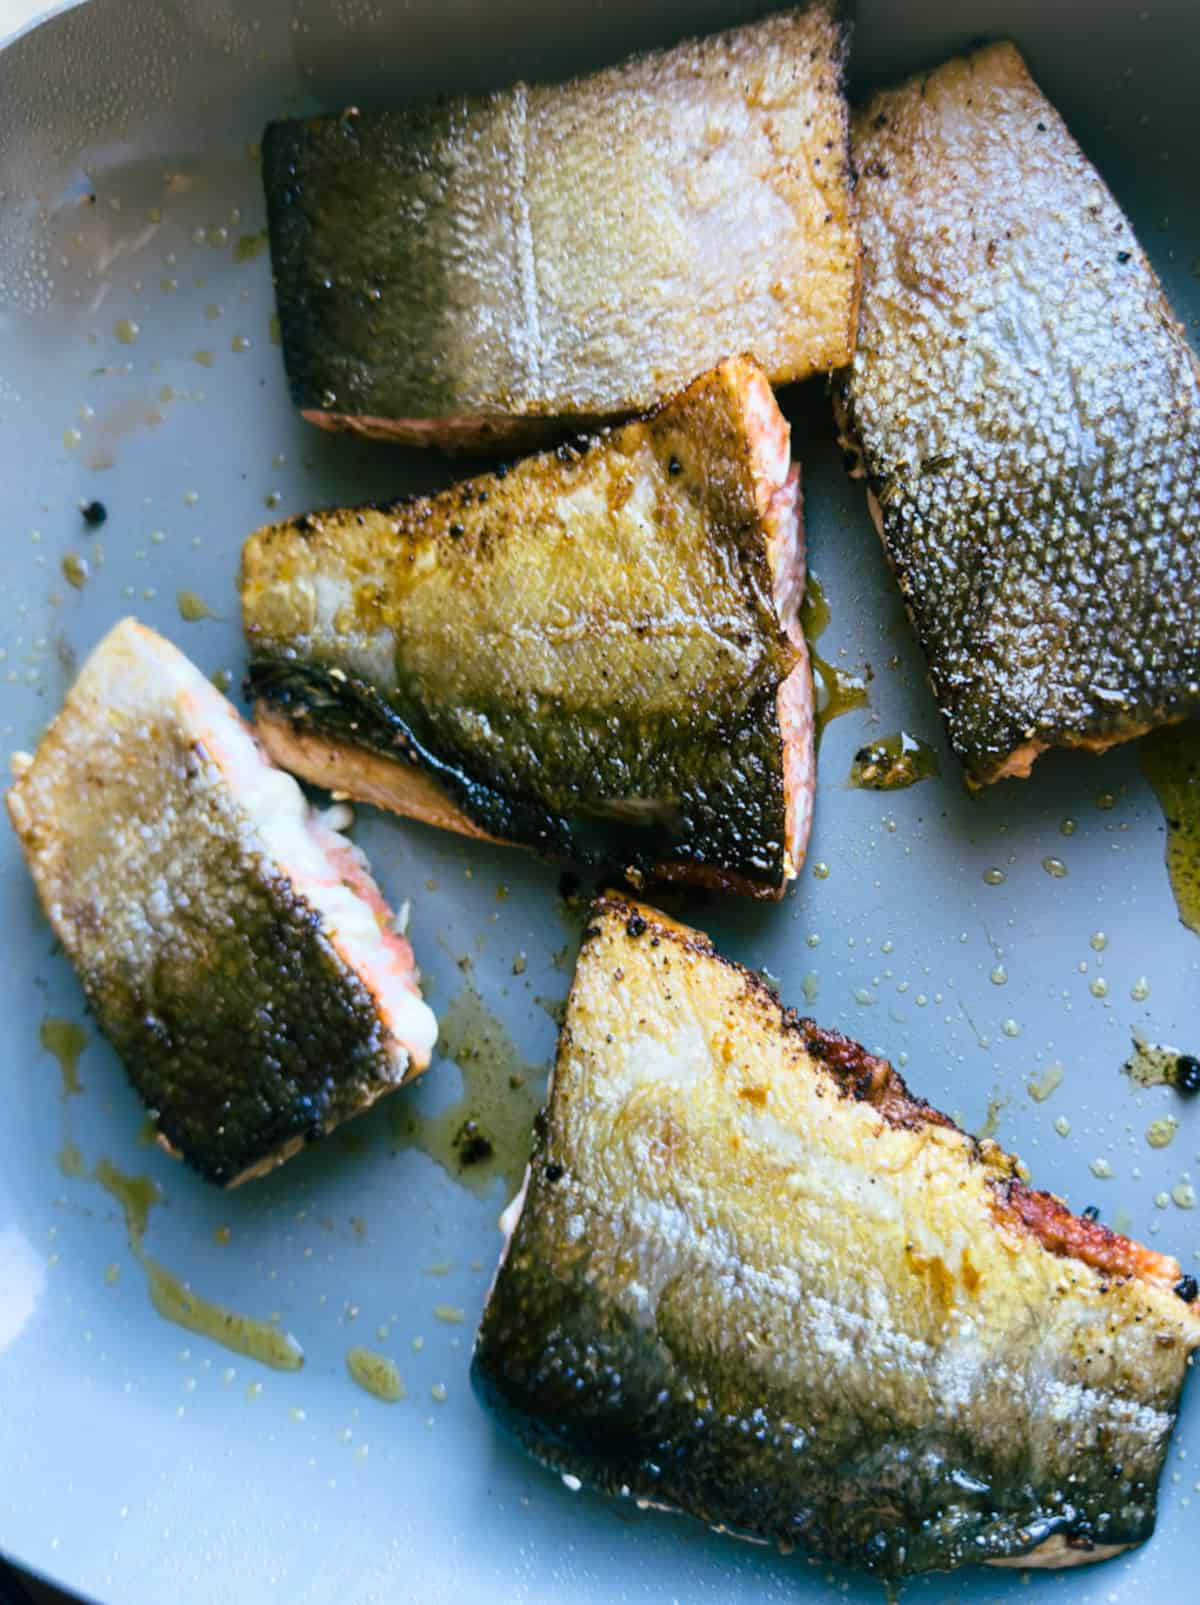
[[598, 1441], [340, 734]]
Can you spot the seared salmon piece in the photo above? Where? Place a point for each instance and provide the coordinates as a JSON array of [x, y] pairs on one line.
[[486, 272], [234, 948], [1027, 410], [752, 1278], [595, 653]]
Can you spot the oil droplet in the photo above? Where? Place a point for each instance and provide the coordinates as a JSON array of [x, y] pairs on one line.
[[1099, 987], [1063, 1126], [1101, 1169], [71, 1161], [450, 1314], [250, 246], [815, 612], [1010, 1028], [1068, 827], [999, 975], [222, 679], [893, 762], [192, 607], [1161, 1133], [376, 1373], [240, 342], [112, 1273], [204, 358], [438, 1392], [273, 329], [174, 1300], [1184, 1195], [126, 330], [168, 284], [835, 692], [821, 870], [809, 986], [1054, 867], [991, 1119], [1171, 763], [222, 1235], [1105, 801], [486, 1132], [994, 876], [212, 311], [75, 570], [1098, 941], [66, 1040], [71, 438], [1039, 1089]]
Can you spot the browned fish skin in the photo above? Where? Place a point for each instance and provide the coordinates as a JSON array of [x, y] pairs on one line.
[[1029, 415], [752, 1278], [229, 945], [480, 271], [595, 653]]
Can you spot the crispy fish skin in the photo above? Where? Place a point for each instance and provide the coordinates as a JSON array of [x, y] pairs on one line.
[[482, 270], [595, 653], [1028, 412], [751, 1278], [226, 941]]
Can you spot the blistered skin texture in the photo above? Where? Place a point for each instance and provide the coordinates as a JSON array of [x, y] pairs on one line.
[[755, 1280], [240, 1025], [584, 652], [461, 271], [1029, 414]]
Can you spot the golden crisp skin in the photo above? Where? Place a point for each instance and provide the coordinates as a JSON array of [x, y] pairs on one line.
[[566, 253], [1029, 415], [594, 653], [753, 1279]]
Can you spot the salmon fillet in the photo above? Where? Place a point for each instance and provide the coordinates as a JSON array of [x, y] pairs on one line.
[[234, 949], [595, 653], [1028, 413], [750, 1277], [485, 271]]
